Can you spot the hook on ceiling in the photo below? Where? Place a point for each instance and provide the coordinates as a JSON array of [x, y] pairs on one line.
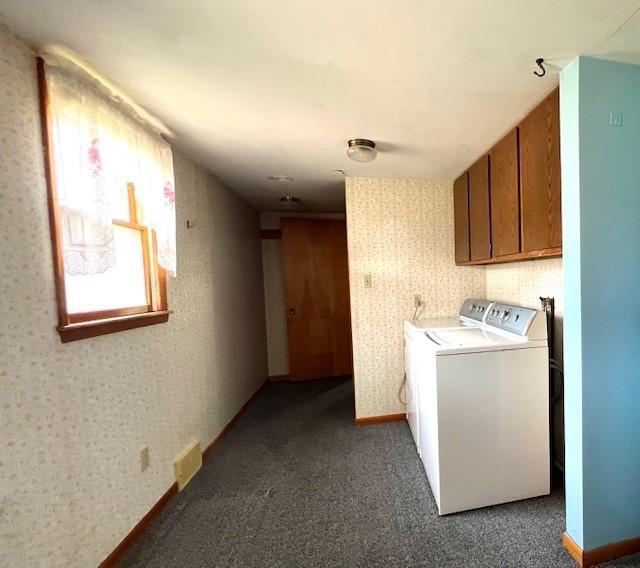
[[539, 63]]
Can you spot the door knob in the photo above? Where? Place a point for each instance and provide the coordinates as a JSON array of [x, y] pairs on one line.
[[291, 312]]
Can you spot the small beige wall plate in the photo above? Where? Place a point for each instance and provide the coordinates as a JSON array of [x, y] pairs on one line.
[[187, 463]]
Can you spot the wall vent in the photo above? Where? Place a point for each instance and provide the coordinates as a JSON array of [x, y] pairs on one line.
[[187, 464]]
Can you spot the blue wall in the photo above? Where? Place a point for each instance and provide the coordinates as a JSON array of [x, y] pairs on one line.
[[601, 247]]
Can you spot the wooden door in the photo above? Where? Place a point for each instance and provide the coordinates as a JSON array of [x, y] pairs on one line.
[[505, 196], [479, 212], [461, 218], [540, 176], [316, 282]]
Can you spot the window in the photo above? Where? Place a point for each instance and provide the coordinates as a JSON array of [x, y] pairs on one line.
[[112, 207]]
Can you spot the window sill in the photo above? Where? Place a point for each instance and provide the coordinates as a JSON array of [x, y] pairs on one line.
[[86, 329]]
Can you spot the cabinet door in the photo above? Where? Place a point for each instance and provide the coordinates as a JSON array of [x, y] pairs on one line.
[[461, 217], [540, 176], [505, 196], [479, 213]]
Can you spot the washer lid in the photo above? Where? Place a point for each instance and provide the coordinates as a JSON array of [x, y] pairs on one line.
[[474, 340], [468, 336], [423, 324]]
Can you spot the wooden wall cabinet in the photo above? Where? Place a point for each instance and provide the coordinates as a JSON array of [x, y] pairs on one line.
[[505, 196], [479, 211], [513, 193], [461, 217], [540, 176]]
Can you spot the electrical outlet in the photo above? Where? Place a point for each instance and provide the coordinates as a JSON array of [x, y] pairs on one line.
[[144, 458], [417, 300], [367, 281]]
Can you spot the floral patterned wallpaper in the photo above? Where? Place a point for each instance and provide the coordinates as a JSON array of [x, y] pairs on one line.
[[75, 417], [401, 233]]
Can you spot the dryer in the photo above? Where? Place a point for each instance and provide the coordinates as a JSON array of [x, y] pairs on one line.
[[483, 408], [471, 314]]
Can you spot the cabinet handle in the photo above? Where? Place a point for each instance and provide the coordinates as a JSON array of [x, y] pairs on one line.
[[290, 312]]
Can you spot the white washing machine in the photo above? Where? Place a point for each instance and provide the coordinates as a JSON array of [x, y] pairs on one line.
[[472, 313], [483, 409]]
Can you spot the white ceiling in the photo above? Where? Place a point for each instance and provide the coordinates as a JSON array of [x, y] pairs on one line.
[[260, 87]]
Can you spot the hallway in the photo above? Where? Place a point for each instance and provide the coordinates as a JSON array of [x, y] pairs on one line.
[[295, 483]]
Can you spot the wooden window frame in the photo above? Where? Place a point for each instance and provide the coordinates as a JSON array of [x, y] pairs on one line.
[[72, 327]]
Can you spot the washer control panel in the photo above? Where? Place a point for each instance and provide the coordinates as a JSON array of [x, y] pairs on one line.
[[475, 309], [515, 319]]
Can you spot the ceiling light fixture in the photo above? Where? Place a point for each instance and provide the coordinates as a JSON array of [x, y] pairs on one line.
[[289, 202], [280, 178], [362, 150]]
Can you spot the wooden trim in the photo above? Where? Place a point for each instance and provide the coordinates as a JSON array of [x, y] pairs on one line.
[[270, 234], [489, 211], [573, 549], [588, 558], [554, 252], [128, 225], [278, 378], [146, 260], [369, 420], [130, 539], [611, 551], [133, 207], [93, 328], [54, 213], [290, 379], [232, 422], [163, 303], [107, 314], [159, 279]]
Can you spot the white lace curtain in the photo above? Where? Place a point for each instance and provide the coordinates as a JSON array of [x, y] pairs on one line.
[[98, 149]]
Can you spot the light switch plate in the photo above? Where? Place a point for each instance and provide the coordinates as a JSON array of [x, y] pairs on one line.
[[367, 281], [615, 119], [145, 460]]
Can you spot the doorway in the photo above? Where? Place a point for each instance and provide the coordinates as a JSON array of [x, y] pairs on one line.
[[316, 292]]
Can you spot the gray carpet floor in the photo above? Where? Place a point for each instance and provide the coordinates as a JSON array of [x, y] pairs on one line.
[[296, 484]]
